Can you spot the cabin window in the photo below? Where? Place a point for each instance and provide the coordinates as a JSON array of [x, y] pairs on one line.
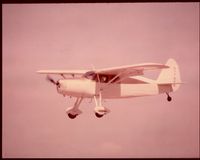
[[104, 79]]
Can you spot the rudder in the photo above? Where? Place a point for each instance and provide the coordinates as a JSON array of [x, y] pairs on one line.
[[170, 75]]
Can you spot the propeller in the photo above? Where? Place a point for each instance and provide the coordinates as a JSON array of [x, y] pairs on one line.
[[50, 79]]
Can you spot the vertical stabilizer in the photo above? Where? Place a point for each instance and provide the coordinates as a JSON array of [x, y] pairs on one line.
[[170, 75]]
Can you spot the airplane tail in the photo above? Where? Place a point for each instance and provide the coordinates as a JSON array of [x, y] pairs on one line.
[[171, 75]]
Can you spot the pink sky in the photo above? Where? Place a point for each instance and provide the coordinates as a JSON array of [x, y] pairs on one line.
[[77, 36]]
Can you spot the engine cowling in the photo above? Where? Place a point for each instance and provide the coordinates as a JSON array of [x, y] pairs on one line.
[[77, 87]]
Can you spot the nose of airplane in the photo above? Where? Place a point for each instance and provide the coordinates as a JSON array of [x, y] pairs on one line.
[[59, 86]]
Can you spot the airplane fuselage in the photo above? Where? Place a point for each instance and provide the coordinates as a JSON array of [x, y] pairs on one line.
[[88, 88]]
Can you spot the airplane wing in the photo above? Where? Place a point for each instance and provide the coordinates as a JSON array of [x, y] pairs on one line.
[[123, 72], [131, 70], [65, 72]]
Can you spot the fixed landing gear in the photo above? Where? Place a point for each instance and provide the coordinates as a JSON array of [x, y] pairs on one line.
[[98, 115], [72, 112], [99, 110], [168, 97], [72, 116]]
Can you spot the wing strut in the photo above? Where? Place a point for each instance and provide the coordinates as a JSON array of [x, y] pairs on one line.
[[63, 76], [115, 77]]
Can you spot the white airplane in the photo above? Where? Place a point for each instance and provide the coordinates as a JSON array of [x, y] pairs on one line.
[[116, 82]]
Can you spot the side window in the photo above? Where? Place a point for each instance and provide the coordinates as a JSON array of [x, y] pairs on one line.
[[104, 79], [89, 75]]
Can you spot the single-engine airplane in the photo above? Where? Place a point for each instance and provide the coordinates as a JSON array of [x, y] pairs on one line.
[[115, 82]]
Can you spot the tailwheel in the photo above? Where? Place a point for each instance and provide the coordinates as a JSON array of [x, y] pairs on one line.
[[168, 97], [72, 116], [98, 115]]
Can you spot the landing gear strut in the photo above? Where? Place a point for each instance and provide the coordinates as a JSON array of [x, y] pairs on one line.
[[168, 97], [72, 112], [99, 110]]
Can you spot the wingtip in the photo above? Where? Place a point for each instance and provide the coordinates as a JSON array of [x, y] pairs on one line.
[[38, 71], [166, 66]]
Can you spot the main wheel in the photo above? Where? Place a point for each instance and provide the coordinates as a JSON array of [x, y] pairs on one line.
[[169, 98], [72, 116], [99, 115]]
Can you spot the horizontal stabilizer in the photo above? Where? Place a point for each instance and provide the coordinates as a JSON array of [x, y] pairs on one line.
[[170, 83]]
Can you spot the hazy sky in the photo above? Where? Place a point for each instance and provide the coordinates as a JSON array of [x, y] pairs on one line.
[[77, 36]]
